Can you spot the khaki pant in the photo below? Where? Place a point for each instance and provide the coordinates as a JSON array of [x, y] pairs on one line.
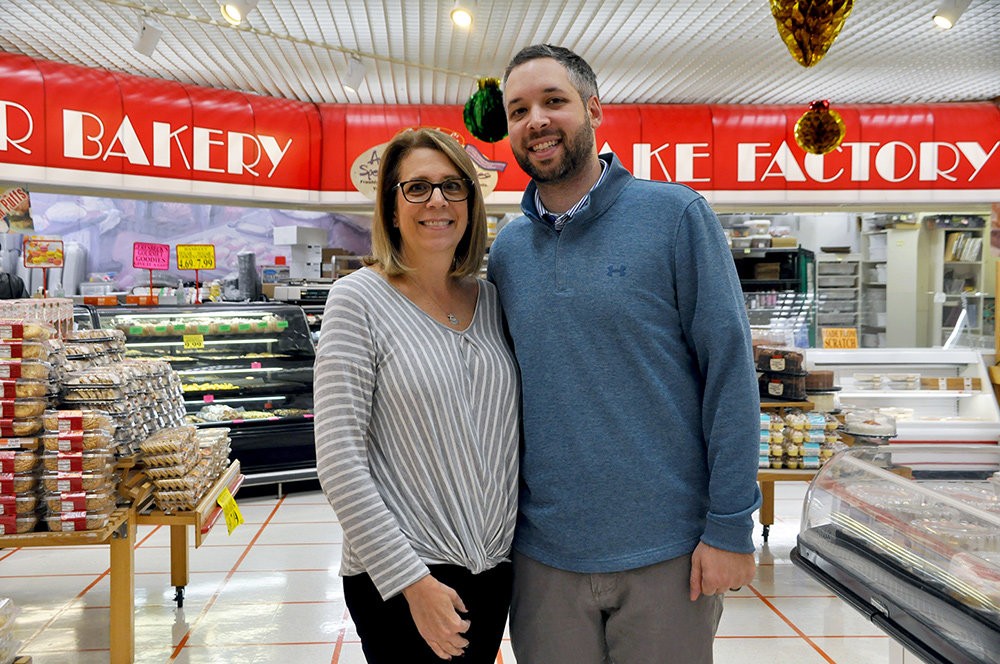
[[641, 616]]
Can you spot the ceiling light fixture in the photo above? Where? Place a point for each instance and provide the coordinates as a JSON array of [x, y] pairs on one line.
[[461, 15], [148, 36], [355, 74], [234, 11], [949, 12]]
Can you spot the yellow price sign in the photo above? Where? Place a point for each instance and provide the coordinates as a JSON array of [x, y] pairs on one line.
[[230, 510], [839, 337], [196, 257], [194, 341]]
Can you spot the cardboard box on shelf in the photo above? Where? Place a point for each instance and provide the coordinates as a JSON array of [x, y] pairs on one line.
[[784, 242], [299, 235]]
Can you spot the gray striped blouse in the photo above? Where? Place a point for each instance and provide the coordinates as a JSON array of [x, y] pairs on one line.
[[416, 433]]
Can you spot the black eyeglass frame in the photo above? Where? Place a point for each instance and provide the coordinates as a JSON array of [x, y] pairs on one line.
[[436, 185]]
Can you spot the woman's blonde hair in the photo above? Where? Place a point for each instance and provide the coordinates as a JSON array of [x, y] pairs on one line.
[[387, 251]]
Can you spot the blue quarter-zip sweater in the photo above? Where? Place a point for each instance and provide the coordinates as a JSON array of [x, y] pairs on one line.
[[640, 406]]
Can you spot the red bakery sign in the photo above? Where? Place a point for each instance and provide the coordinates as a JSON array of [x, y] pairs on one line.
[[73, 126]]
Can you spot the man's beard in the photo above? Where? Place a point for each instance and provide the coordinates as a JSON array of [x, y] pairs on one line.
[[577, 150]]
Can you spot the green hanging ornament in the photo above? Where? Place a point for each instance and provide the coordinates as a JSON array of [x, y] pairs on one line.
[[484, 115]]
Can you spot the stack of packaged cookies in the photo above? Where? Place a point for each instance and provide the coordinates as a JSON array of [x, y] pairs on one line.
[[86, 349], [79, 484], [8, 646], [780, 373], [25, 388], [797, 440], [183, 462]]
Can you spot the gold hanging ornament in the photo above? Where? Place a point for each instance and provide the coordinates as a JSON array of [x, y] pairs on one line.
[[809, 27], [820, 129]]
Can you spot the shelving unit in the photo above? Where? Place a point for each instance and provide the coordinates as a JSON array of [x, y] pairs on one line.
[[960, 277], [779, 289], [838, 290], [894, 283]]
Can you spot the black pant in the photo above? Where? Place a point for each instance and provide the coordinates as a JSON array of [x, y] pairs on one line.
[[389, 635]]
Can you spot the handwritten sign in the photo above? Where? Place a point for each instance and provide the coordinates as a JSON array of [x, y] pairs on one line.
[[43, 253], [839, 337], [230, 510], [150, 256], [196, 257]]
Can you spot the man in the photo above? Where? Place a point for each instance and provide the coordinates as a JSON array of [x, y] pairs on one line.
[[640, 402]]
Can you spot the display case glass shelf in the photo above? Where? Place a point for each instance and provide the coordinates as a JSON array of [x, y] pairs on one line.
[[245, 366], [910, 536]]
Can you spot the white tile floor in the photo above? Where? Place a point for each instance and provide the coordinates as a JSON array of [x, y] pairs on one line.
[[270, 593]]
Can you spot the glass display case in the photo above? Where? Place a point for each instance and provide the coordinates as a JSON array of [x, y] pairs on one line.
[[910, 536], [247, 367]]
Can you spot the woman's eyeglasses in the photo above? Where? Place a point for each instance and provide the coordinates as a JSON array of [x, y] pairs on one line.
[[420, 191]]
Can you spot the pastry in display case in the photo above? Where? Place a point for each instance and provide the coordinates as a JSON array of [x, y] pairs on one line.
[[910, 536], [245, 367]]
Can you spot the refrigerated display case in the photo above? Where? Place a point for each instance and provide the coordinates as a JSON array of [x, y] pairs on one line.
[[910, 536], [248, 367], [934, 394]]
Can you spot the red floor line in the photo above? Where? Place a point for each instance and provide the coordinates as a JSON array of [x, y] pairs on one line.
[[340, 639], [792, 625], [9, 554], [215, 595]]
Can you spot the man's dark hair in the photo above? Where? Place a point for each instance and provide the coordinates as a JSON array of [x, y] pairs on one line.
[[580, 74]]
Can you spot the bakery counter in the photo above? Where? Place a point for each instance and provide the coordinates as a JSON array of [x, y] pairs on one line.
[[909, 535]]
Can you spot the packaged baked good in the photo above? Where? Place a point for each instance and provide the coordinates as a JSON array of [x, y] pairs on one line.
[[68, 522], [17, 482], [79, 394], [782, 386], [34, 350], [18, 408], [20, 427], [17, 388], [160, 472], [23, 443], [77, 420], [77, 461], [88, 480], [174, 439], [778, 359], [175, 501], [18, 503], [17, 461], [23, 329], [79, 501], [14, 524], [76, 441], [33, 369]]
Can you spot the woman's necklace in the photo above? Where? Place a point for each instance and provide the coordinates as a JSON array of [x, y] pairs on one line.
[[452, 318]]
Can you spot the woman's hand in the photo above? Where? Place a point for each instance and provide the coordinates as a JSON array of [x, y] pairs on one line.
[[435, 607]]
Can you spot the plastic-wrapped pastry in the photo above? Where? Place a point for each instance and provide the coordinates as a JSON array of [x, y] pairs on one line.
[[18, 408], [55, 481], [22, 329], [77, 461], [77, 441], [33, 369], [33, 350], [17, 461], [17, 482], [79, 501], [18, 503], [77, 521], [16, 524], [22, 387], [20, 427], [77, 420], [169, 440]]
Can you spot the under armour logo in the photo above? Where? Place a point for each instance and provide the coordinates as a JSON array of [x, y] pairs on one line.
[[612, 271]]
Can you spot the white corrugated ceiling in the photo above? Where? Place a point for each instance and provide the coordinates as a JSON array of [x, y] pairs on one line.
[[644, 51]]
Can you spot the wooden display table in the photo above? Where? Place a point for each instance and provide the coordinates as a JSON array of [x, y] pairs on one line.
[[202, 517], [120, 535], [766, 477]]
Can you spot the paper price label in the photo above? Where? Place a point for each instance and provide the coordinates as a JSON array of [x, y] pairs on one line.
[[230, 510], [196, 257], [840, 337], [194, 341], [150, 256]]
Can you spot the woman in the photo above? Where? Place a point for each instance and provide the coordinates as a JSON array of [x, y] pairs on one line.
[[416, 397]]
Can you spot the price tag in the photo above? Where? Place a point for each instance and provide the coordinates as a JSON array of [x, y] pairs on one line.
[[230, 509], [42, 253], [255, 365], [194, 341], [208, 398], [150, 256], [196, 257], [840, 337]]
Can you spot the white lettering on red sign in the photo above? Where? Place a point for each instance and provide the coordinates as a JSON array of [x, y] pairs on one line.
[[6, 139], [213, 150]]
